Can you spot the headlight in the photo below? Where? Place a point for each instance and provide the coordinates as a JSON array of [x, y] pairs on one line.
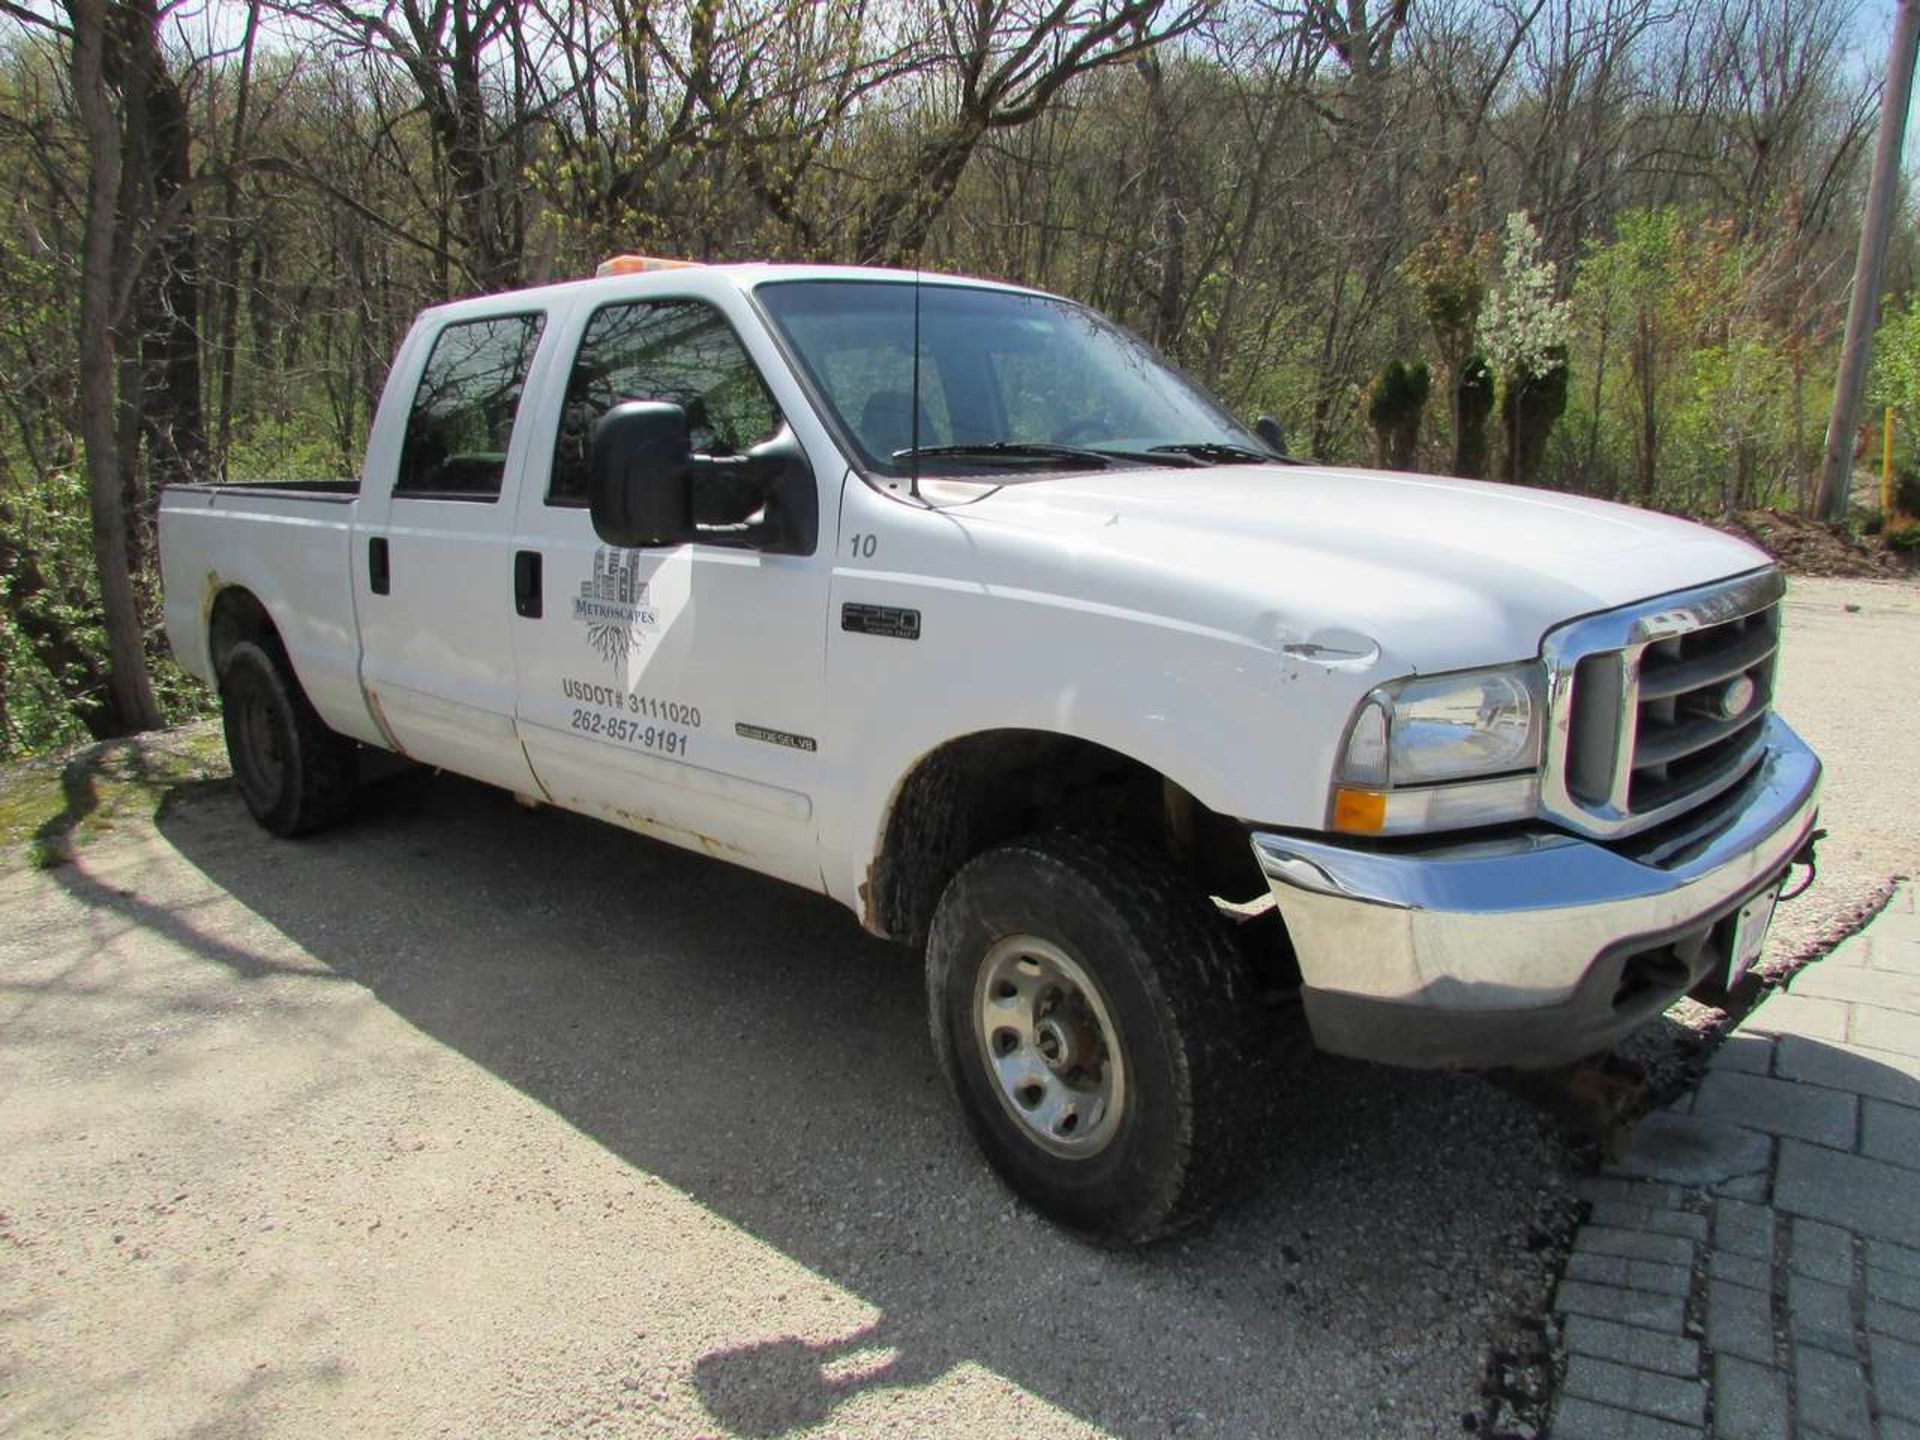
[[1441, 752]]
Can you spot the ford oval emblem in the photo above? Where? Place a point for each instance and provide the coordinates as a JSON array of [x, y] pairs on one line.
[[1737, 698]]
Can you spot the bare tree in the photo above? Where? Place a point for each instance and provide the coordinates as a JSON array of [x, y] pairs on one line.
[[131, 705], [997, 65], [469, 65]]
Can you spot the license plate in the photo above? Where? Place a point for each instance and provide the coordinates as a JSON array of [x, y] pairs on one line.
[[1750, 933]]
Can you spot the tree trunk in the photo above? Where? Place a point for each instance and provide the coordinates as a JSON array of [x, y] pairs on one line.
[[1593, 414], [167, 301], [227, 345], [1472, 407], [1170, 218], [894, 225], [1403, 444], [1802, 471], [131, 706], [1226, 323], [1647, 441]]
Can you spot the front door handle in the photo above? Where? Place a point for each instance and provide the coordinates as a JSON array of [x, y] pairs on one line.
[[379, 575], [526, 583]]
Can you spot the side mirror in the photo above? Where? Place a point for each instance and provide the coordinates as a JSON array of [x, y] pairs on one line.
[[640, 476], [1271, 435]]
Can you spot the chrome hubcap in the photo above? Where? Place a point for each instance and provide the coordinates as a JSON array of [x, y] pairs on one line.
[[1050, 1046]]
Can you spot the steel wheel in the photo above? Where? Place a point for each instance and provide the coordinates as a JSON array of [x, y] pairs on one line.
[[1050, 1044], [262, 751], [1098, 1028], [294, 773]]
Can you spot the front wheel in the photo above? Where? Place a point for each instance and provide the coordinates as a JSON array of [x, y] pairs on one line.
[[1099, 1031]]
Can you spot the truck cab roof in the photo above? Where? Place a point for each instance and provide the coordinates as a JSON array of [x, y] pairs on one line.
[[700, 277]]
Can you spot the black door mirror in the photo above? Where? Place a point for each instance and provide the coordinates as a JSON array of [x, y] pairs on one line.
[[640, 475], [1270, 433], [641, 478]]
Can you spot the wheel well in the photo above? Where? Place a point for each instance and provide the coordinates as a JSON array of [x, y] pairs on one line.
[[978, 791], [238, 615]]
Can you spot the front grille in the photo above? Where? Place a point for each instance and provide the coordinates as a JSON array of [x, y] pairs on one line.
[[1702, 699], [1661, 706]]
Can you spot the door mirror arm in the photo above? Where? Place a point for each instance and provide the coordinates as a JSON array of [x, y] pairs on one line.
[[787, 520]]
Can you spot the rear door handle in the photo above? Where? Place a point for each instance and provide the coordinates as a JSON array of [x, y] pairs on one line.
[[379, 576], [526, 583]]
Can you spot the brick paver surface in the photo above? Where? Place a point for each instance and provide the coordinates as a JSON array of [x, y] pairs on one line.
[[1782, 1304]]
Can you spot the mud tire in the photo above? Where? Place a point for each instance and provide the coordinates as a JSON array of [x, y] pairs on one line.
[[1179, 998], [294, 773]]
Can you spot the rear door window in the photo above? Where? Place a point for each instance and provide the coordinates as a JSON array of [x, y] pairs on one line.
[[462, 418]]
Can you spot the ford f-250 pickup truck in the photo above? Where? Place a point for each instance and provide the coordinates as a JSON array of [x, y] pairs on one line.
[[951, 600]]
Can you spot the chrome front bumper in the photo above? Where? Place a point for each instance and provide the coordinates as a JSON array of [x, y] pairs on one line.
[[1529, 949]]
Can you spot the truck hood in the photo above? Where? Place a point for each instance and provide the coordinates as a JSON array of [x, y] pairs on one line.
[[1429, 572]]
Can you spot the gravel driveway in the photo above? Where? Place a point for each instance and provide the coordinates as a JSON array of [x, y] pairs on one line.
[[471, 1120], [1850, 683]]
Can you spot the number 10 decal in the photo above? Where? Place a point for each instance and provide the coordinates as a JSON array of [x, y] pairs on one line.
[[863, 545]]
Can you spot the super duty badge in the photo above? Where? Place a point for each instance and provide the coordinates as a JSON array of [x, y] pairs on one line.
[[887, 620]]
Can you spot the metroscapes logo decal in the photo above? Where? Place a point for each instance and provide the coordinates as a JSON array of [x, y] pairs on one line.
[[612, 604]]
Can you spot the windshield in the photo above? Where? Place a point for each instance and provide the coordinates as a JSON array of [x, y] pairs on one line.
[[1033, 378]]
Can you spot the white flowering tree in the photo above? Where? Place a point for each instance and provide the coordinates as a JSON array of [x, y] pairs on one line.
[[1524, 328]]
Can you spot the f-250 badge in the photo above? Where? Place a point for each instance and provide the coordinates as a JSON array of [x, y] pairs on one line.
[[612, 603]]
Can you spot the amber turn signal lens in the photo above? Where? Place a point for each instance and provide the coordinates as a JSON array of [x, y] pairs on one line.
[[1359, 812]]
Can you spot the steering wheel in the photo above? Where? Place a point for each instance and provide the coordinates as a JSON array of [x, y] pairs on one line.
[[1079, 430]]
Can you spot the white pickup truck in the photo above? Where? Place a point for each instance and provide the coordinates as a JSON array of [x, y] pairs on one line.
[[951, 600]]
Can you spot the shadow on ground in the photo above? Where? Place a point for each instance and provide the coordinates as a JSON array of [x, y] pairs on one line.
[[745, 1042]]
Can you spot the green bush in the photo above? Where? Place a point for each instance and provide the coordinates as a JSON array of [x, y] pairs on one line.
[[1906, 489], [1475, 392], [1533, 405], [1399, 398]]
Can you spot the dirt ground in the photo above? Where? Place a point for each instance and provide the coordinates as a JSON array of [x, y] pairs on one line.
[[468, 1120], [1850, 684], [1811, 548]]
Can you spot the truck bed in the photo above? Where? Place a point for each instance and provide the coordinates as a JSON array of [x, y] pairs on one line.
[[289, 543]]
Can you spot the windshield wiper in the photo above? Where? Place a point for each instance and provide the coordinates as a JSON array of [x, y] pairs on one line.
[[1015, 452], [1216, 452]]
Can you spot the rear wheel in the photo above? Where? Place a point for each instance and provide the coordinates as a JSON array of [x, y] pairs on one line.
[[1099, 1030], [293, 772]]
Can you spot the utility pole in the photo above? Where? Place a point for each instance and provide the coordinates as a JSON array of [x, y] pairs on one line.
[[1863, 309]]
